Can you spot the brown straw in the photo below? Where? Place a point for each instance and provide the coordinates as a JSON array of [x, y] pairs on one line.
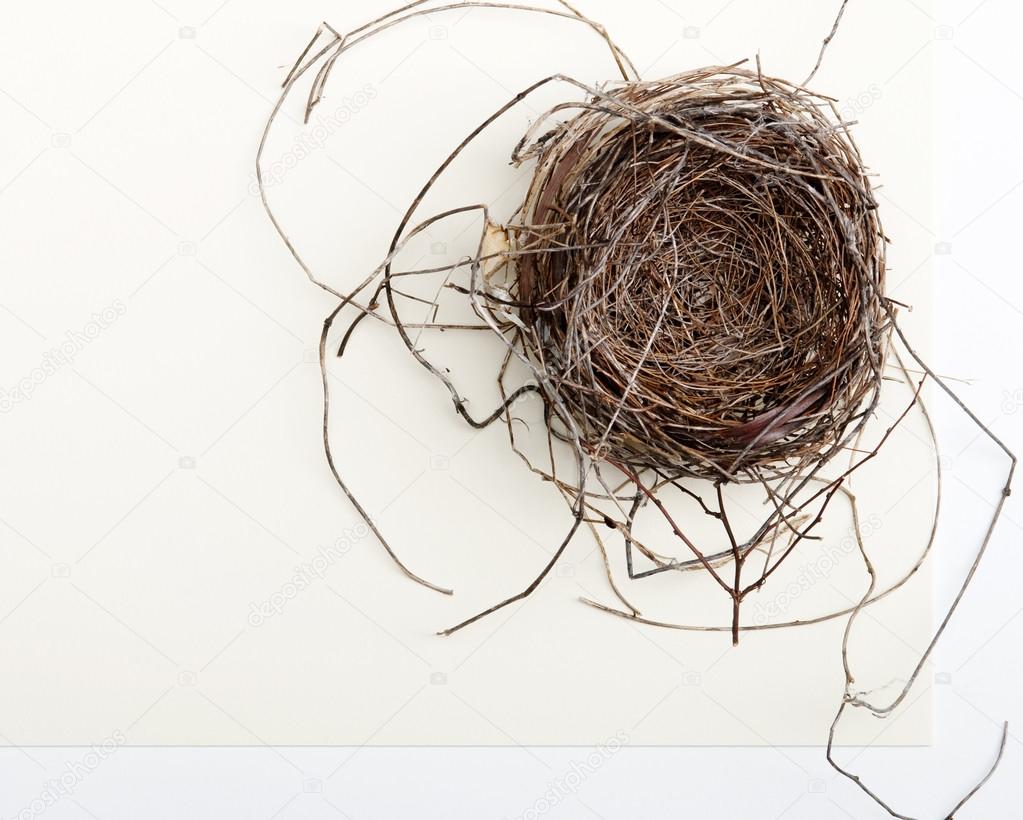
[[707, 295]]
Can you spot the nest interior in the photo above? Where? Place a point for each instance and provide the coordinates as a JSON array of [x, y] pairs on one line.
[[702, 275]]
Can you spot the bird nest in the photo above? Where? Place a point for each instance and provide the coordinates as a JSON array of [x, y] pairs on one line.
[[702, 274], [694, 285]]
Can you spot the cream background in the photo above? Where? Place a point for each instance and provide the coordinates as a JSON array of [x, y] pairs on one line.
[[173, 476]]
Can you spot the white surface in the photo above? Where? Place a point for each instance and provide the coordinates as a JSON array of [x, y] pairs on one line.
[[978, 655]]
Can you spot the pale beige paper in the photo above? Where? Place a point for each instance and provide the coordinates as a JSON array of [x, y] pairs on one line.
[[163, 488]]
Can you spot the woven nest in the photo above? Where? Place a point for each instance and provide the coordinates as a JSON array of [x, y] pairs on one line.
[[702, 272]]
